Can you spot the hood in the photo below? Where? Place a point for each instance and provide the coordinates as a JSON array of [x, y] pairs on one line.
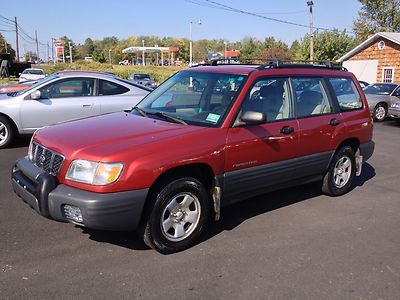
[[107, 135]]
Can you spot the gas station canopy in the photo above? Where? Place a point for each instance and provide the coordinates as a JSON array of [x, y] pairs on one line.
[[150, 49]]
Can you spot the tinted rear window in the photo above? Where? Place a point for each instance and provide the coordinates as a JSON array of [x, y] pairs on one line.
[[108, 88], [346, 93]]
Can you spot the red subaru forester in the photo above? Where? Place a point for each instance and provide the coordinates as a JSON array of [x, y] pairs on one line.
[[208, 137]]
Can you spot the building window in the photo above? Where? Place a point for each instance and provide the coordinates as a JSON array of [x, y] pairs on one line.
[[387, 74]]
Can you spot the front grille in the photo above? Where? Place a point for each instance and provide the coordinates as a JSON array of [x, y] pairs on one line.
[[46, 159]]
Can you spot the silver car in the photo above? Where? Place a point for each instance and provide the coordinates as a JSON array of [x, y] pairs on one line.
[[62, 97], [394, 110], [380, 97]]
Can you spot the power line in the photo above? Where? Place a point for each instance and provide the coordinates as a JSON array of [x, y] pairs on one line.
[[216, 5]]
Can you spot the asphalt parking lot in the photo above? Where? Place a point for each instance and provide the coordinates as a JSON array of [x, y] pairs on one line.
[[291, 244]]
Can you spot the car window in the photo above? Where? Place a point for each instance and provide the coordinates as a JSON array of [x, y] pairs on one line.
[[380, 89], [272, 97], [33, 72], [199, 98], [311, 97], [346, 93], [108, 88], [71, 87]]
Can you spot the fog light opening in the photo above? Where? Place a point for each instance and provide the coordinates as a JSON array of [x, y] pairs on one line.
[[73, 213]]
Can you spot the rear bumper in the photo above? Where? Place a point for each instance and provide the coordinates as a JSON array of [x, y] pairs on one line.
[[367, 149], [108, 211]]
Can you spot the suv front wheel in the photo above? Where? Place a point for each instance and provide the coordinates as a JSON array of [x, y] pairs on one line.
[[341, 173], [178, 217]]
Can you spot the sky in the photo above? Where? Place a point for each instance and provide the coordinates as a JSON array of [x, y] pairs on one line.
[[122, 18]]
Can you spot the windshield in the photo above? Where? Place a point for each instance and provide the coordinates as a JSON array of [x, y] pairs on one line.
[[380, 89], [38, 83], [141, 76], [198, 98], [33, 72]]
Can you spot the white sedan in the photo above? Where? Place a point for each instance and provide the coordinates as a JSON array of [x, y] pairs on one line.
[[31, 74]]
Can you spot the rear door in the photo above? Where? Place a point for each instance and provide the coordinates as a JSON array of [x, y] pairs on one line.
[[261, 157], [61, 100], [320, 126]]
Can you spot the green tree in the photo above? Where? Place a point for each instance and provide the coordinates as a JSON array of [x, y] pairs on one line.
[[4, 45], [30, 56], [375, 16], [99, 56], [328, 45]]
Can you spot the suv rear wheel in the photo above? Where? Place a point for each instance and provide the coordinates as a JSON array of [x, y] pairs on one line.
[[6, 132], [178, 217], [340, 175]]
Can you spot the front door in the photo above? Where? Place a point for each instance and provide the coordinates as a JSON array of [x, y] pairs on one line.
[[259, 157], [60, 101]]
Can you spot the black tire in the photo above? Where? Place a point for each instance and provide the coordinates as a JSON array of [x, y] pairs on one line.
[[159, 239], [329, 186], [6, 132], [378, 116]]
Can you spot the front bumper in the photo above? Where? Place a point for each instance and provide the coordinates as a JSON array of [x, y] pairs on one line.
[[394, 112], [108, 211]]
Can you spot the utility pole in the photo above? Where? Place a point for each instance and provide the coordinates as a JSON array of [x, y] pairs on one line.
[[16, 37], [5, 46], [109, 55], [70, 52], [310, 6], [37, 47]]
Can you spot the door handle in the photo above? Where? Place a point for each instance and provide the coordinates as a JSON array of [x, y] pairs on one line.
[[278, 138], [287, 129], [86, 105], [334, 122]]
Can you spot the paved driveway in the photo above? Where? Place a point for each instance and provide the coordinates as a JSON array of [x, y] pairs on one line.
[[294, 243]]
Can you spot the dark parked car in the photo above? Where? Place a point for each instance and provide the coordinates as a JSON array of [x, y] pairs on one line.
[[143, 79], [167, 167]]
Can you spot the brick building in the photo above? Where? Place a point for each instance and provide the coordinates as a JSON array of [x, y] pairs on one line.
[[377, 59]]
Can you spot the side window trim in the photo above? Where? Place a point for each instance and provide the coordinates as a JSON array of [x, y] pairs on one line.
[[61, 80], [326, 89]]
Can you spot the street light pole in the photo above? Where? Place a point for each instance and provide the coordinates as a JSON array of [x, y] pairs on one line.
[[143, 62], [191, 42], [225, 43], [310, 6], [109, 55], [70, 52]]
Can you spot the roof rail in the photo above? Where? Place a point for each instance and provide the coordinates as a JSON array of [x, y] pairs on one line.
[[268, 63]]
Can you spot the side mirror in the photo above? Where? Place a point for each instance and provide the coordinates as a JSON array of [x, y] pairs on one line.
[[253, 117], [35, 95]]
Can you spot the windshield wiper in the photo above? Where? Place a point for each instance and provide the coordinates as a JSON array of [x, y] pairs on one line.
[[167, 116], [141, 111]]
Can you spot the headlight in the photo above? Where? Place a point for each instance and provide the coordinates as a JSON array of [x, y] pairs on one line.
[[93, 173], [396, 105]]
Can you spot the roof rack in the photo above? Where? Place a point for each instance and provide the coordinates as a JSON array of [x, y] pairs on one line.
[[269, 63]]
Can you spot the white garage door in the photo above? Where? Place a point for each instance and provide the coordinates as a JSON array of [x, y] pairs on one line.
[[365, 70]]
